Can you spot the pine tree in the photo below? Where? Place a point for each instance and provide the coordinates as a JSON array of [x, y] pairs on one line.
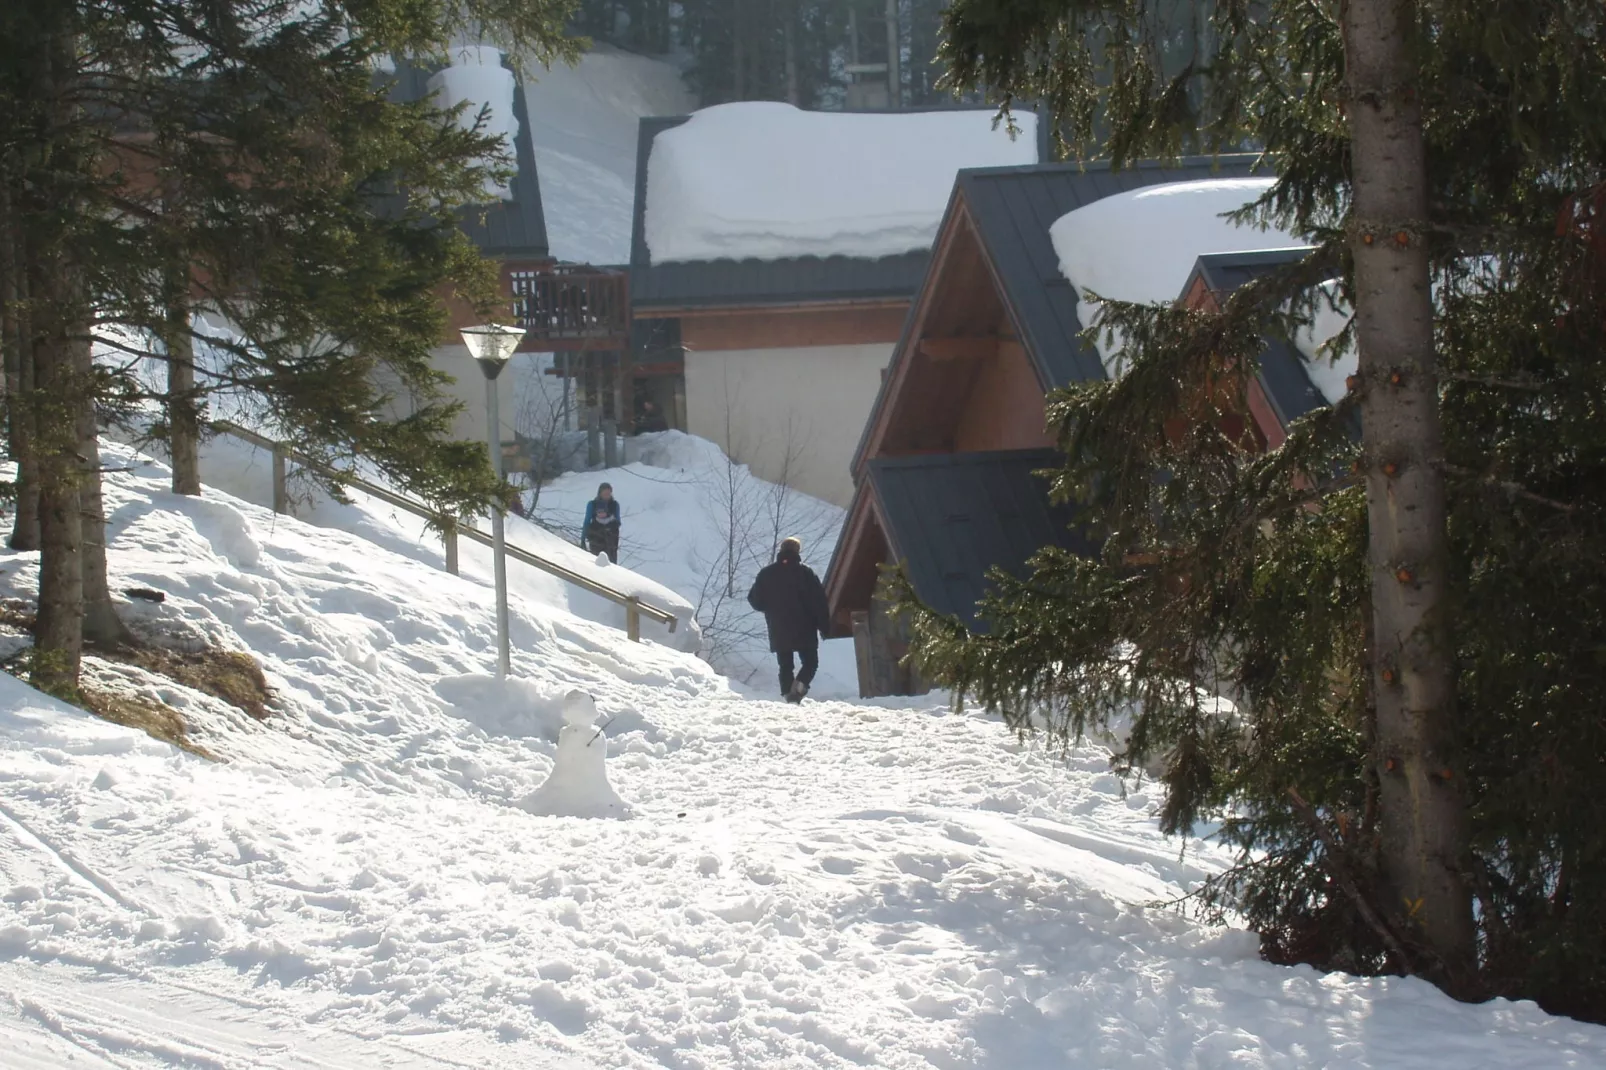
[[1400, 620], [242, 152]]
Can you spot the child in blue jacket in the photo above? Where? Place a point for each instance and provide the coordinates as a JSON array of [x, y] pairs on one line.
[[601, 529]]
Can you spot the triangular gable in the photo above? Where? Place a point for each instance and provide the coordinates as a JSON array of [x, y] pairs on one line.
[[1004, 215]]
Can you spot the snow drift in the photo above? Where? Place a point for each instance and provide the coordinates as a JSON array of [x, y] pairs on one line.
[[769, 181]]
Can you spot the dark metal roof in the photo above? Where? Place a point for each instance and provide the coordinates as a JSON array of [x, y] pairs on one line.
[[796, 280], [953, 517], [1282, 370], [1013, 209], [505, 228]]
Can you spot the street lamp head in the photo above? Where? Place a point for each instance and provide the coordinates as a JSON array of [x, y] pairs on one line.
[[492, 346]]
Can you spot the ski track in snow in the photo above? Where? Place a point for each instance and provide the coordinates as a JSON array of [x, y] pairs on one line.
[[890, 885]]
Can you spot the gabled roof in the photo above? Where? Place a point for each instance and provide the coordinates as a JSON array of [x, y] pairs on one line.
[[514, 228], [953, 517], [758, 283], [1283, 379], [1012, 209]]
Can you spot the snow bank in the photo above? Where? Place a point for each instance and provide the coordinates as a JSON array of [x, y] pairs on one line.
[[584, 124], [246, 472], [769, 181], [477, 79]]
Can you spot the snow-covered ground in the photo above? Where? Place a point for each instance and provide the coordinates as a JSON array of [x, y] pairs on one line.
[[832, 885], [703, 527], [584, 121]]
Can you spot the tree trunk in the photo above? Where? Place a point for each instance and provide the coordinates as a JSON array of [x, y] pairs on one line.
[[1423, 821], [18, 346], [183, 418], [102, 626], [59, 629], [58, 309]]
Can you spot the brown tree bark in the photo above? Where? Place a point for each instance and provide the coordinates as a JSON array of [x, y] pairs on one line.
[[1422, 815], [183, 420], [102, 626], [59, 628], [18, 348], [58, 311]]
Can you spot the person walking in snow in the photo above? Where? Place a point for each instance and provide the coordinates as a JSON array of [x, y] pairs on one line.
[[792, 600], [601, 530]]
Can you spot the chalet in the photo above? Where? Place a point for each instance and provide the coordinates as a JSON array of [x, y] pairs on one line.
[[944, 473], [1285, 387], [578, 312], [775, 254]]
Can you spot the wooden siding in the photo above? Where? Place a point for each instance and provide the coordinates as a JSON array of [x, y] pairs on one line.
[[785, 328], [1004, 408]]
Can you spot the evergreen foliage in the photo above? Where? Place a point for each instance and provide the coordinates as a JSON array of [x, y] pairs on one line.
[[1233, 573], [240, 158]]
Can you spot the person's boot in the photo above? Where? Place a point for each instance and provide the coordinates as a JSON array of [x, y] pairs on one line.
[[799, 689]]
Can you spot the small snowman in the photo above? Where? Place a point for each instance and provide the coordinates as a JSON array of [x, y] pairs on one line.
[[578, 785], [602, 560]]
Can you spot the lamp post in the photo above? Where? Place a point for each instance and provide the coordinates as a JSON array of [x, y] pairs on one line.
[[492, 347]]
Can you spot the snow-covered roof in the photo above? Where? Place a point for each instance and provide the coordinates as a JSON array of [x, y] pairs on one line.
[[584, 122], [769, 181], [1141, 246], [478, 80]]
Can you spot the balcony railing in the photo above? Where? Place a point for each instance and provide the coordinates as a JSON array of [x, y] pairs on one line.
[[566, 307]]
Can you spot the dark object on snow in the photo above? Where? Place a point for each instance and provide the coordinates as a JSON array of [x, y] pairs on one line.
[[792, 600], [601, 528], [649, 419], [145, 594]]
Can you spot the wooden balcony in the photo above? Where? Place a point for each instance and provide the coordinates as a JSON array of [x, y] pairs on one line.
[[570, 308]]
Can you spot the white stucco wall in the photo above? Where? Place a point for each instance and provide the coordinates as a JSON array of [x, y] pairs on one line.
[[469, 388], [792, 415]]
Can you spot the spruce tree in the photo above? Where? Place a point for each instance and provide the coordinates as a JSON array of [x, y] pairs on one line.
[[1400, 618], [242, 152]]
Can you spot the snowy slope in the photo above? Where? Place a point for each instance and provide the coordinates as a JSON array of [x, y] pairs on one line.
[[246, 472], [688, 513], [833, 885], [584, 121]]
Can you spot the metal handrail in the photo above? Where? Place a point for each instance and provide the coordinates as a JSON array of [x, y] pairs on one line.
[[635, 608]]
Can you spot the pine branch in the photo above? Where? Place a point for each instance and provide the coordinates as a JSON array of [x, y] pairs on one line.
[[1333, 859]]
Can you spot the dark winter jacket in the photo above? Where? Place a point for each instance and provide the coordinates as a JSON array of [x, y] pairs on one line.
[[792, 600], [597, 510]]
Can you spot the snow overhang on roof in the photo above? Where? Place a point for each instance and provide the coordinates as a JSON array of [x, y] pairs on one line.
[[768, 181]]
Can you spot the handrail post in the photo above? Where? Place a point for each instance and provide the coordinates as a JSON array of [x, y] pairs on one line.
[[449, 539], [633, 618], [281, 491]]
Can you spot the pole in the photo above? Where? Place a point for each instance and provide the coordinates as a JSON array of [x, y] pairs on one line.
[[894, 58], [493, 414]]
